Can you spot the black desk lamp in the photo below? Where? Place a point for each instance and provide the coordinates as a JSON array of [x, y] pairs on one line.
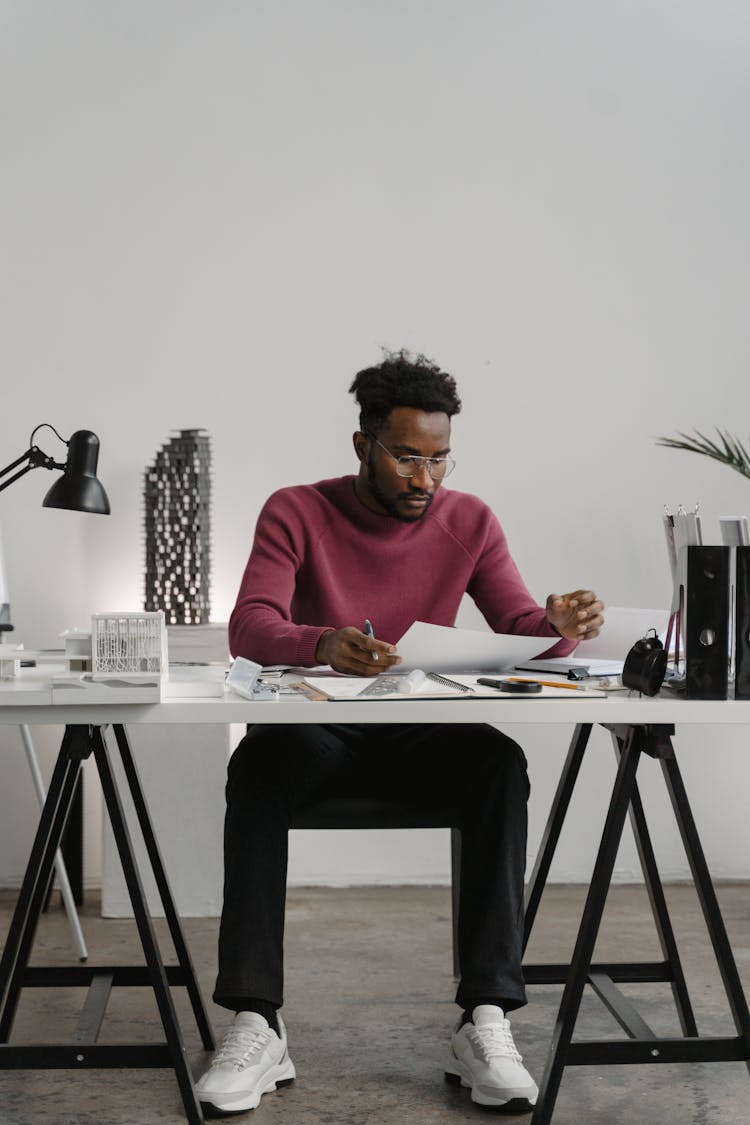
[[78, 488]]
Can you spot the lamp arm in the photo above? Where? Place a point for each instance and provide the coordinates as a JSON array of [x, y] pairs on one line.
[[36, 460]]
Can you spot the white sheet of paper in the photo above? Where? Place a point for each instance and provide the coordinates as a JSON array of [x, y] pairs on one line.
[[605, 654], [622, 628], [438, 648]]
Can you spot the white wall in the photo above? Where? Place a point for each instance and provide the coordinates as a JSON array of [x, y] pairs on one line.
[[215, 213]]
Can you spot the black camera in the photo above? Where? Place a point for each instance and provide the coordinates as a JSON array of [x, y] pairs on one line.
[[645, 665]]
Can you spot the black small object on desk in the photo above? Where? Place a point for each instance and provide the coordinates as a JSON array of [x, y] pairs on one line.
[[707, 623], [742, 625], [512, 687], [645, 665]]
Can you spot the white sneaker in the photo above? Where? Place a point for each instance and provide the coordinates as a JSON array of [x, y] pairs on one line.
[[484, 1058], [252, 1061]]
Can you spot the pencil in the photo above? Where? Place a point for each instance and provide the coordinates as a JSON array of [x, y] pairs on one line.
[[547, 683]]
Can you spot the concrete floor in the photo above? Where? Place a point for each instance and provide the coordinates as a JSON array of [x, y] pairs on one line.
[[370, 1010]]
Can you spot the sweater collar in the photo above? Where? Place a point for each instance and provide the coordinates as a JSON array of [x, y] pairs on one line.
[[380, 522]]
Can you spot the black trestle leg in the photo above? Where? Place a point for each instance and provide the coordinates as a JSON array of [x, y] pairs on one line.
[[162, 883], [642, 1046], [84, 1051], [38, 873], [659, 908], [157, 974], [553, 827], [589, 929], [709, 903]]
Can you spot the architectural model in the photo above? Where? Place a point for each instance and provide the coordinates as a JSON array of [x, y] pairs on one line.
[[177, 498]]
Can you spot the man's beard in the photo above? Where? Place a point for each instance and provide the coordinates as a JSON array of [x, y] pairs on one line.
[[387, 504]]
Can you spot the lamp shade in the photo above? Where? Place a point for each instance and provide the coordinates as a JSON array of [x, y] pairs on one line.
[[79, 488]]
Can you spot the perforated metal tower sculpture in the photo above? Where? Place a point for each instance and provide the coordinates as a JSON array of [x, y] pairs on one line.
[[177, 497]]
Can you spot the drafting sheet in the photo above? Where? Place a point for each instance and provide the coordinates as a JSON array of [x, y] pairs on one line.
[[438, 648]]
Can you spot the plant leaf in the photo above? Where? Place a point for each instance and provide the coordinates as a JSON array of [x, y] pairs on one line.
[[729, 450]]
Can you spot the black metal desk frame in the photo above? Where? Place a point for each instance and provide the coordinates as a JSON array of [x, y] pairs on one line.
[[78, 744], [631, 742], [642, 1045]]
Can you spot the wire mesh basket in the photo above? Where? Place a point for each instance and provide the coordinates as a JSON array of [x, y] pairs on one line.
[[129, 643]]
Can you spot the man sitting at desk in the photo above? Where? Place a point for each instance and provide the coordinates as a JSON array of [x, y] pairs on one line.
[[389, 545]]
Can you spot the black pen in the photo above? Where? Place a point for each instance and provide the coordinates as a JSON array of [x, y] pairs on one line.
[[371, 633]]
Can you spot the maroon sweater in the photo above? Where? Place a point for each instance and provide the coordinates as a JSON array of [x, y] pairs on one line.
[[322, 560]]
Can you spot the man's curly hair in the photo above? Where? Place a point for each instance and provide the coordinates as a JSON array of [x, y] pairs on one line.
[[402, 380]]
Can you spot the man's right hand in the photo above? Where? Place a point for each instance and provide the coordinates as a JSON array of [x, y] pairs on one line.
[[348, 650]]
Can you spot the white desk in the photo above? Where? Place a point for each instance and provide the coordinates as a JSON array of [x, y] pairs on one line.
[[639, 726], [615, 708]]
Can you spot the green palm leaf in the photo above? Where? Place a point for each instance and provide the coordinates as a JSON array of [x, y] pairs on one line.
[[728, 449]]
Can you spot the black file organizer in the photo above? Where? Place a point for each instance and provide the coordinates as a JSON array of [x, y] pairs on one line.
[[742, 625], [83, 1050], [707, 623]]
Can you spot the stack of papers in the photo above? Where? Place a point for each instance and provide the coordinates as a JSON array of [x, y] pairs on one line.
[[196, 681], [584, 667], [457, 686]]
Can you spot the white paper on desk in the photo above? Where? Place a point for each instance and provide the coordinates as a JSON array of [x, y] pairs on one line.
[[623, 626], [605, 654], [358, 687], [562, 665], [354, 687], [196, 681], [274, 671], [439, 648]]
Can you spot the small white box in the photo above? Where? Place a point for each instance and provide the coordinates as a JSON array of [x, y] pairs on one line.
[[10, 660], [243, 680]]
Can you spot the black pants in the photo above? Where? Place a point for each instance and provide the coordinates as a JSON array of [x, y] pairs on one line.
[[276, 770]]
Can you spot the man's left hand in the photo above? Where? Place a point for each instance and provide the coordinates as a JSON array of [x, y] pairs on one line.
[[576, 616]]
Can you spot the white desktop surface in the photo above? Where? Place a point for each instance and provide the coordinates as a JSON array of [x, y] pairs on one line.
[[22, 701]]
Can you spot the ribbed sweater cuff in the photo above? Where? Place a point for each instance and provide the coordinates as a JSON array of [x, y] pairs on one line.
[[310, 635]]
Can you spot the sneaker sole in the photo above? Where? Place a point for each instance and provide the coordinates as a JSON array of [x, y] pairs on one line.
[[510, 1106], [281, 1075]]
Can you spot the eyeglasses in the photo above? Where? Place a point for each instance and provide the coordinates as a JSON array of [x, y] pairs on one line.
[[408, 466]]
